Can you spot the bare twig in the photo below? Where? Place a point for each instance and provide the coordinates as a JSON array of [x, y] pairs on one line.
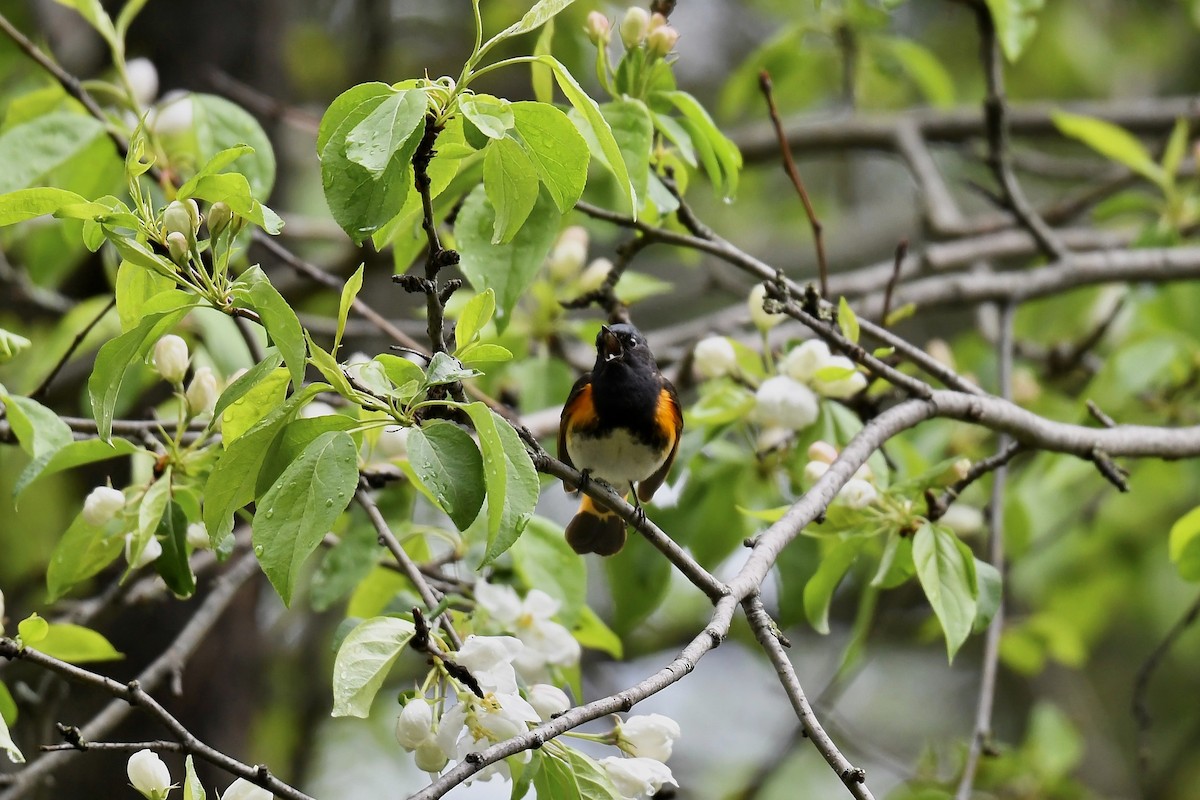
[[789, 166], [1141, 686], [901, 252], [44, 386]]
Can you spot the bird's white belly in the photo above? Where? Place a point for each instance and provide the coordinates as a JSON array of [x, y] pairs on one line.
[[619, 459]]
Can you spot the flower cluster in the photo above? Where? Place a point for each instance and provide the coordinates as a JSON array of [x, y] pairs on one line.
[[858, 492], [638, 28], [514, 660], [151, 778]]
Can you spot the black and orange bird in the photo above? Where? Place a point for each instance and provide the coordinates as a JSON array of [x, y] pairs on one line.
[[621, 424]]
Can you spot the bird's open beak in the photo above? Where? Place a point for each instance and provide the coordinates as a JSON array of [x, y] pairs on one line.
[[610, 345]]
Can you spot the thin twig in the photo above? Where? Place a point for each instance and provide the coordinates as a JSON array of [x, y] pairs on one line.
[[44, 386], [901, 252], [939, 505], [406, 564], [1141, 686], [789, 166], [981, 740]]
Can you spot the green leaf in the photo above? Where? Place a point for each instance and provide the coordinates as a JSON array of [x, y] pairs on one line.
[[450, 469], [1184, 545], [150, 513], [492, 116], [511, 183], [76, 644], [247, 381], [233, 479], [990, 594], [639, 578], [556, 779], [82, 551], [634, 133], [444, 368], [591, 632], [587, 107], [8, 706], [220, 125], [172, 565], [349, 293], [254, 291], [543, 81], [923, 68], [948, 581], [234, 190], [243, 413], [1112, 142], [818, 592], [474, 316], [117, 356], [73, 454], [847, 320], [510, 478], [541, 13], [1176, 149], [508, 269], [30, 152], [298, 510], [1016, 23], [375, 141], [12, 345], [482, 353], [192, 788], [363, 661], [32, 630], [39, 430], [543, 560], [399, 370], [724, 161], [558, 151], [26, 204], [592, 779]]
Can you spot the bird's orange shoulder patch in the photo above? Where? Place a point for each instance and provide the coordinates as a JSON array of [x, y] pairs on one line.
[[580, 409], [668, 416]]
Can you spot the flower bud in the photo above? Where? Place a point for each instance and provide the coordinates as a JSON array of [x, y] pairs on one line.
[[634, 27], [661, 41], [713, 357], [197, 536], [569, 253], [177, 247], [171, 358], [803, 361], [392, 443], [773, 438], [857, 493], [637, 777], [219, 217], [173, 114], [150, 552], [598, 28], [822, 451], [182, 216], [782, 402], [648, 736], [149, 775], [102, 505], [429, 756], [849, 385], [762, 319], [548, 700], [203, 392], [657, 20], [143, 79], [813, 471], [594, 276], [415, 723], [242, 789]]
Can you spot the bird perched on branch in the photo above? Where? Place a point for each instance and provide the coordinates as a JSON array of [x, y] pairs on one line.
[[621, 424]]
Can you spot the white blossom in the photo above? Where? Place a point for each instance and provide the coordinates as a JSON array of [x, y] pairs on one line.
[[803, 361], [429, 756], [203, 392], [598, 28], [143, 79], [813, 471], [634, 26], [841, 388], [102, 505], [546, 642], [963, 519], [317, 408], [822, 451], [637, 777], [173, 114], [857, 493], [594, 275], [786, 403], [489, 660], [571, 249], [762, 319], [392, 443], [648, 735], [242, 789], [548, 700], [149, 775], [150, 552], [171, 358], [415, 723], [197, 536], [714, 356], [773, 438], [474, 724]]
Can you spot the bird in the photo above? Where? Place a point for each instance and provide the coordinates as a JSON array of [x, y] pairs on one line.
[[621, 424]]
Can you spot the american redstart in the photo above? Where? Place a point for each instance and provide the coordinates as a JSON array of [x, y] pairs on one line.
[[621, 424]]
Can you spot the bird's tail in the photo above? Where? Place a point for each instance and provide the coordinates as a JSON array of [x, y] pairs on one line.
[[595, 529]]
